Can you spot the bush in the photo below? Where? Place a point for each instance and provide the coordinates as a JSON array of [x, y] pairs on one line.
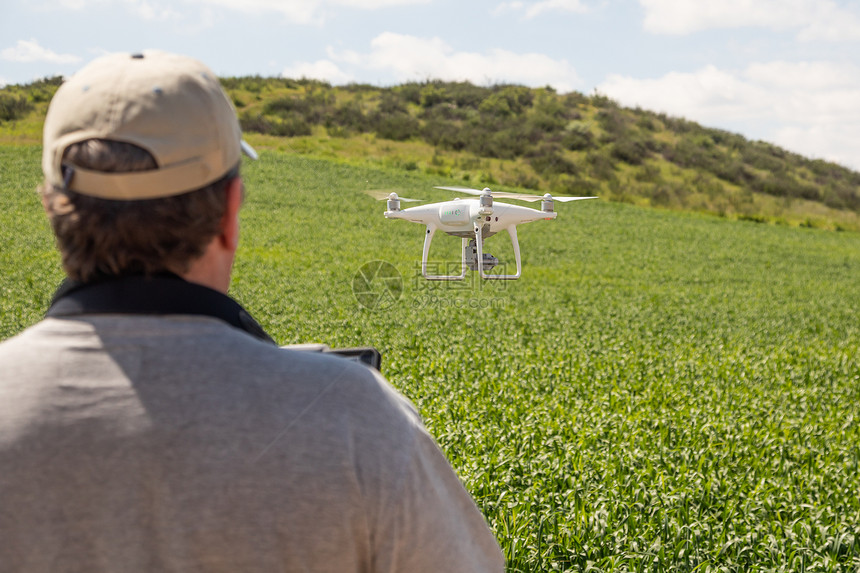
[[547, 122], [444, 134], [761, 156], [349, 116], [496, 105], [573, 185], [602, 166], [255, 124], [649, 173], [389, 103], [433, 94], [312, 107], [628, 150], [466, 95], [842, 196], [782, 185], [501, 143], [548, 160], [14, 107], [603, 101], [291, 127], [507, 101], [577, 140], [397, 126], [286, 127], [613, 122]]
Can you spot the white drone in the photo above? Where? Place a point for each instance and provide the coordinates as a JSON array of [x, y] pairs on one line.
[[474, 220]]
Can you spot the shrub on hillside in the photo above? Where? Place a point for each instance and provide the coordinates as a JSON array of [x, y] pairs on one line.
[[783, 185], [504, 143], [630, 150], [312, 107], [255, 124], [390, 103], [577, 140], [603, 101], [444, 134], [762, 156], [433, 95], [14, 107], [547, 122], [649, 173], [291, 126], [549, 160], [574, 185], [842, 196], [349, 117], [449, 112], [294, 126], [601, 166], [507, 101], [466, 95], [614, 123], [395, 126]]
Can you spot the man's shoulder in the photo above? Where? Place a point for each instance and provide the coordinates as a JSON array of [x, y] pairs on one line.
[[161, 357], [180, 343]]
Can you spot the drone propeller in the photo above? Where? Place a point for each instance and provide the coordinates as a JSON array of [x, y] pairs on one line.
[[520, 196], [383, 194]]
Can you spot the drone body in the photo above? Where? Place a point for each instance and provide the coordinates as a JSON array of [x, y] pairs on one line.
[[474, 220]]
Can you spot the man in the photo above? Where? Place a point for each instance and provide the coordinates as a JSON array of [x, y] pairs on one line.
[[148, 423]]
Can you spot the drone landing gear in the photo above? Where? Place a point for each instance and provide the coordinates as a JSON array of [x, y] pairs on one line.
[[474, 257]]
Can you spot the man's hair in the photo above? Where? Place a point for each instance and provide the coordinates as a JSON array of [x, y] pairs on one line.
[[100, 238]]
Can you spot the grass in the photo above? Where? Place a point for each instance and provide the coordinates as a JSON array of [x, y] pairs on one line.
[[658, 392]]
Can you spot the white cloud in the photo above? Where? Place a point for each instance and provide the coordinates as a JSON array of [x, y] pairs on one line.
[[809, 107], [812, 19], [320, 70], [295, 11], [152, 11], [3, 82], [27, 51], [307, 12], [534, 9], [410, 58], [375, 4]]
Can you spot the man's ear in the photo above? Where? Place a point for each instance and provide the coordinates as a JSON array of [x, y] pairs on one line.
[[230, 221]]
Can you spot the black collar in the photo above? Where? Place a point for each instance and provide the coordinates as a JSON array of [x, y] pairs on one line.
[[165, 293]]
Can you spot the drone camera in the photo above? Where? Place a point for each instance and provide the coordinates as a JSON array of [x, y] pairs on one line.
[[470, 257]]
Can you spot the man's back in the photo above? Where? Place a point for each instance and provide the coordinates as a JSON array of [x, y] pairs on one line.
[[180, 443]]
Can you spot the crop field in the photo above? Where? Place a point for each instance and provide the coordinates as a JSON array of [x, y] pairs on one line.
[[659, 392]]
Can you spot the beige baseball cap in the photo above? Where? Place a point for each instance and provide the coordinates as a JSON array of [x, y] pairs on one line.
[[171, 105]]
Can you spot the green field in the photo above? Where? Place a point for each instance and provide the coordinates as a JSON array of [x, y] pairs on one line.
[[659, 392]]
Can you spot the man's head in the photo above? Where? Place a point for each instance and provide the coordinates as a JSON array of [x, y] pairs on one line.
[[139, 154]]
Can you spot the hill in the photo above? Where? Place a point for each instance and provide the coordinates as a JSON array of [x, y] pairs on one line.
[[513, 136]]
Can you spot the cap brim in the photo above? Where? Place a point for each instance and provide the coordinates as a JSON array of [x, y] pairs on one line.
[[248, 150]]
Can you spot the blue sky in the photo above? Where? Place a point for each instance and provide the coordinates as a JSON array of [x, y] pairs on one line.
[[784, 71]]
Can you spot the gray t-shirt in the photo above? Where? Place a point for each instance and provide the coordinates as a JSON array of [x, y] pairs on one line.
[[179, 443]]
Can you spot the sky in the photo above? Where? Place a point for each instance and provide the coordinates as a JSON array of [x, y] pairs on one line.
[[782, 71]]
